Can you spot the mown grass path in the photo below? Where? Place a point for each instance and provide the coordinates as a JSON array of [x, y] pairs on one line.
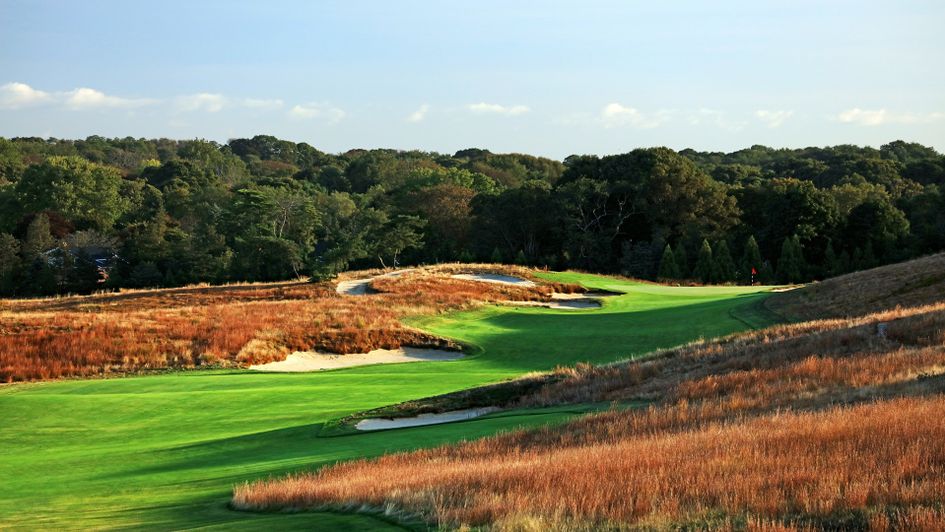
[[164, 451]]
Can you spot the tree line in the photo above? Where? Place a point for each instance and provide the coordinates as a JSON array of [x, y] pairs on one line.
[[81, 215]]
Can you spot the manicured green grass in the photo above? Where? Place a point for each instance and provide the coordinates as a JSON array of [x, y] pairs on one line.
[[645, 318], [164, 451]]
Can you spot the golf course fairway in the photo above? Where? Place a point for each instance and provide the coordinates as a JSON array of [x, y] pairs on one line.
[[164, 451]]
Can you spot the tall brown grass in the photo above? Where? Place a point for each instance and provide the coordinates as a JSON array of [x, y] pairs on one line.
[[907, 284], [606, 470], [813, 361], [824, 424], [225, 325]]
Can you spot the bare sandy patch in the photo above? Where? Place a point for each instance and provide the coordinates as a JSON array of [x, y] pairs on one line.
[[315, 361], [787, 288], [424, 419], [495, 278], [360, 287]]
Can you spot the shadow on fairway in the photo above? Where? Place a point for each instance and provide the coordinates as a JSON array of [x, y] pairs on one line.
[[538, 339]]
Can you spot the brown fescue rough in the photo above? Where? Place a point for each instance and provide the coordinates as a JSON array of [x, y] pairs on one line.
[[230, 325]]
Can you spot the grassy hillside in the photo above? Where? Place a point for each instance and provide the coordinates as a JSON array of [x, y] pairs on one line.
[[907, 284], [164, 451], [831, 424]]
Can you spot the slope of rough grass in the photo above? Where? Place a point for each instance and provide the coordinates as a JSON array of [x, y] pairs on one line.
[[164, 451], [907, 284], [839, 466]]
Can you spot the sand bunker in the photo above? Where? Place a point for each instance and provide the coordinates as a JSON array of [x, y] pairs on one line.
[[315, 361], [494, 278], [360, 287], [561, 302], [423, 419]]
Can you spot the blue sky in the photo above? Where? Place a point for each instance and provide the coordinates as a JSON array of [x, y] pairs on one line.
[[549, 78]]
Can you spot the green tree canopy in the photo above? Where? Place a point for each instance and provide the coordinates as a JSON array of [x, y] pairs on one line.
[[85, 192]]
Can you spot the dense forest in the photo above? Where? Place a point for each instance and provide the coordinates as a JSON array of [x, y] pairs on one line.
[[82, 215]]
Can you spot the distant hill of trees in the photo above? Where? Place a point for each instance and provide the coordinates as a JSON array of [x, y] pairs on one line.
[[165, 212]]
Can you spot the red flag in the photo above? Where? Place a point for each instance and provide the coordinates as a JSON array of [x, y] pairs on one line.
[[754, 271]]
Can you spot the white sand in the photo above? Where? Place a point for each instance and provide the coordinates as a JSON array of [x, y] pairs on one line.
[[423, 419], [568, 297], [494, 278], [561, 302], [360, 287], [315, 361]]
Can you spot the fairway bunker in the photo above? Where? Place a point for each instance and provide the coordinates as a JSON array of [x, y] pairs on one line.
[[302, 361], [495, 278], [561, 302], [423, 419], [360, 287], [357, 287]]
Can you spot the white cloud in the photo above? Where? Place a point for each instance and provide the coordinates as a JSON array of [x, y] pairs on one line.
[[716, 118], [310, 111], [863, 117], [494, 108], [617, 115], [203, 101], [16, 95], [269, 105], [877, 117], [214, 103], [86, 98], [773, 119], [419, 114]]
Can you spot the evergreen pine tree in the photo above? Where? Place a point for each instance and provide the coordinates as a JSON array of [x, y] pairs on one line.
[[38, 238], [791, 263], [751, 259], [681, 260], [668, 269], [703, 269], [520, 258], [496, 257], [801, 261], [723, 265]]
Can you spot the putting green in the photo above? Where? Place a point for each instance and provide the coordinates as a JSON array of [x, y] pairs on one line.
[[164, 451]]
